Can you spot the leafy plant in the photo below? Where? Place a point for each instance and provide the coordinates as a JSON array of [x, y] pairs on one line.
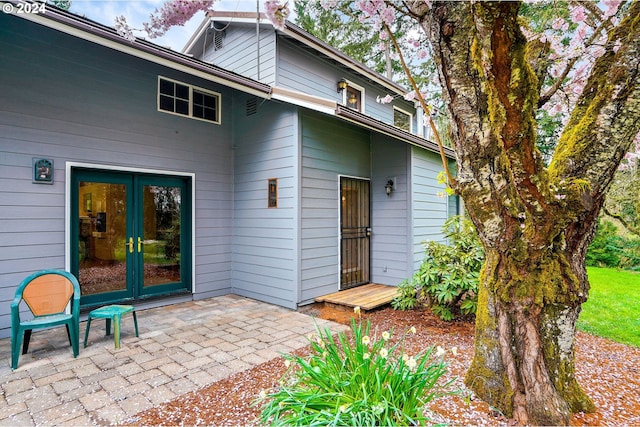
[[363, 381], [610, 249], [447, 280]]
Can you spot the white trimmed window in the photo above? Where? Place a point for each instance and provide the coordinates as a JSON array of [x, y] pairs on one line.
[[353, 97], [402, 119], [186, 100]]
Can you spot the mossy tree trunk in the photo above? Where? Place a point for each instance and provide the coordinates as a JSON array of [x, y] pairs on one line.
[[535, 222]]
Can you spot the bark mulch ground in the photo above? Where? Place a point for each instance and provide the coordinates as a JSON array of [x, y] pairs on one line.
[[609, 372]]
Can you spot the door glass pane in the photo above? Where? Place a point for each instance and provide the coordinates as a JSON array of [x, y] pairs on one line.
[[161, 234], [102, 214]]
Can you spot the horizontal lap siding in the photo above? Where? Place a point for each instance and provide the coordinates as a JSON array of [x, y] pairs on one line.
[[239, 52], [303, 71], [429, 210], [264, 242], [391, 235], [70, 100], [330, 148]]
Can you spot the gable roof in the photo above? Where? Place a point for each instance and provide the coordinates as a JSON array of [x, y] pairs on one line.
[[302, 38]]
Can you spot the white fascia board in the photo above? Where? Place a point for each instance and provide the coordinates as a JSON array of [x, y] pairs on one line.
[[301, 99], [204, 25]]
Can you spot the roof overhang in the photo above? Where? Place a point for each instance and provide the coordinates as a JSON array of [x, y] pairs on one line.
[[102, 35], [390, 130]]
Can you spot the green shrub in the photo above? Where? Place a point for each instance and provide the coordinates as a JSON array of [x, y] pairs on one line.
[[605, 249], [610, 249], [447, 280], [365, 381]]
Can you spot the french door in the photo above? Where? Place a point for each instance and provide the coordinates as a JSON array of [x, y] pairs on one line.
[[355, 232], [131, 234]]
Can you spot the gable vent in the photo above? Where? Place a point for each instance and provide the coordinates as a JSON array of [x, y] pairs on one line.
[[218, 39], [252, 106]]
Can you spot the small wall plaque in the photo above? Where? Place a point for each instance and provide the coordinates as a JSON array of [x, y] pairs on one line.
[[273, 193], [42, 171]]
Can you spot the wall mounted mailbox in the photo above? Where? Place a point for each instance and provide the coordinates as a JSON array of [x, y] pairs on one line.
[[42, 171]]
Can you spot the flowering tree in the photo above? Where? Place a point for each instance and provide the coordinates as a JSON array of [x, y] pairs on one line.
[[505, 67], [535, 221]]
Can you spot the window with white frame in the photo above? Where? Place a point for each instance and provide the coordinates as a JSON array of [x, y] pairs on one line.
[[353, 97], [186, 100], [402, 119]]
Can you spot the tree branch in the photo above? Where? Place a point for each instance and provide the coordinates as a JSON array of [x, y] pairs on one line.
[[607, 116], [630, 227], [567, 69], [445, 163]]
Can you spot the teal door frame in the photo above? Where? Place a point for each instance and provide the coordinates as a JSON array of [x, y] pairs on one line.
[[135, 244]]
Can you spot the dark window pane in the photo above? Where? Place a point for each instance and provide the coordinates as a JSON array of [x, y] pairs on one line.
[[210, 114], [210, 101], [182, 107], [166, 103], [198, 111], [182, 91], [197, 98], [166, 87]]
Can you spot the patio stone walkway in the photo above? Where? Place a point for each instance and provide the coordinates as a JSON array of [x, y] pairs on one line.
[[181, 348]]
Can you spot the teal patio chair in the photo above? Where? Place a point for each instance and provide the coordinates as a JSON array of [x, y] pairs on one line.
[[47, 294]]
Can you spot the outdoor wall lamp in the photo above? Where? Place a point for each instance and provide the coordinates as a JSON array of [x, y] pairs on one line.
[[388, 188], [342, 85]]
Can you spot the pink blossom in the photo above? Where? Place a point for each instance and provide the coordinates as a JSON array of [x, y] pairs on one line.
[[557, 23], [612, 7], [328, 4], [172, 13], [556, 70], [582, 31], [388, 15], [410, 96], [578, 14], [387, 99], [276, 12], [598, 51], [123, 28], [384, 35], [422, 53]]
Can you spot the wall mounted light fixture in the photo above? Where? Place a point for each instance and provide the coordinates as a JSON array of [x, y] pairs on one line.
[[342, 85], [388, 187]]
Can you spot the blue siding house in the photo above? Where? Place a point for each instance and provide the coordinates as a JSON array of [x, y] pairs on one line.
[[257, 162]]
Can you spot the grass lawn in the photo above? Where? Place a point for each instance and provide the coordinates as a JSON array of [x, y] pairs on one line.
[[613, 308]]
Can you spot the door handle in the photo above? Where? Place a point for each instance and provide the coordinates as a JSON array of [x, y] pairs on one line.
[[140, 242], [130, 245]]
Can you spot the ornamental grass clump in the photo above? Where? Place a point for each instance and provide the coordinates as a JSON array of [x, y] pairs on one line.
[[362, 381]]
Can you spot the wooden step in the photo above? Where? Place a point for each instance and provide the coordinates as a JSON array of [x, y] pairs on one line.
[[367, 297]]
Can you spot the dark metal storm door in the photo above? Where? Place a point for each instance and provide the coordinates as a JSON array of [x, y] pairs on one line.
[[131, 235], [355, 232]]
